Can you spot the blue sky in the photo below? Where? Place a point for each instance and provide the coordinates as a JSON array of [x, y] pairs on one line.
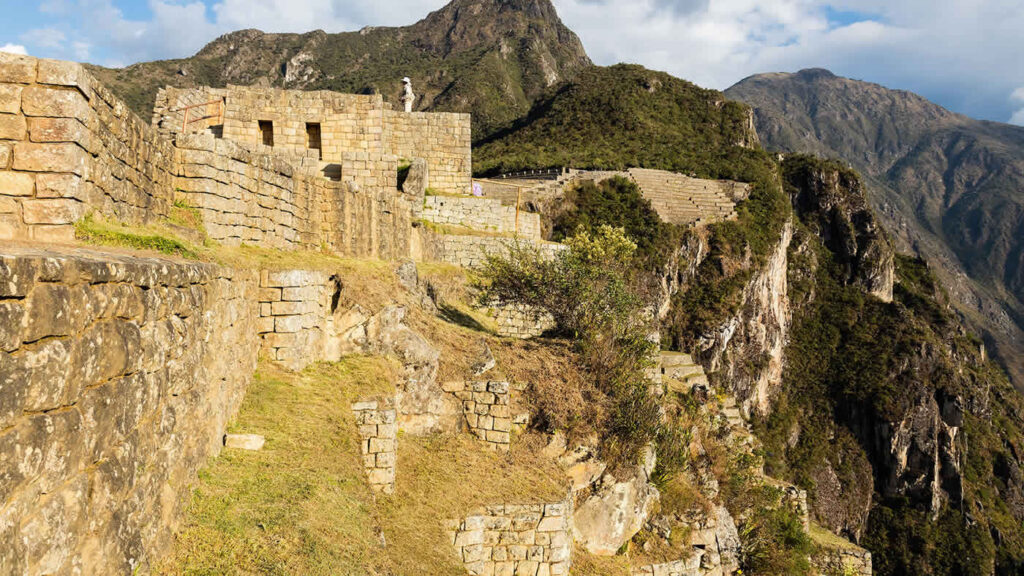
[[963, 54]]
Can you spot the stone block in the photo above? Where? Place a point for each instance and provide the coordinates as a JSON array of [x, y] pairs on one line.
[[244, 441], [287, 308], [17, 69], [377, 445], [6, 151], [288, 324], [59, 130], [52, 211], [56, 234], [365, 405], [17, 184], [60, 186], [63, 73], [12, 127], [54, 103], [67, 158], [10, 98], [382, 476]]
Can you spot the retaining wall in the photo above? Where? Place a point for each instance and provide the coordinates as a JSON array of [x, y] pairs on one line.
[[118, 375], [483, 214], [512, 539], [294, 310]]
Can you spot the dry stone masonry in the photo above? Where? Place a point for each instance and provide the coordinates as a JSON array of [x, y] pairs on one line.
[[68, 147], [118, 375], [487, 408], [521, 321], [516, 539], [355, 137], [378, 429], [294, 308], [483, 214]]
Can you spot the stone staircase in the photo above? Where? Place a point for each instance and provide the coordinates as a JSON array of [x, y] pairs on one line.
[[679, 372]]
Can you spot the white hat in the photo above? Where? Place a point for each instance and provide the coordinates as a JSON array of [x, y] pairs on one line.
[[406, 80]]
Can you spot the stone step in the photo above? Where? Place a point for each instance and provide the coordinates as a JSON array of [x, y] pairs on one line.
[[669, 359], [681, 371]]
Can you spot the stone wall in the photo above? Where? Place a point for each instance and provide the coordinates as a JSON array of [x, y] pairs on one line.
[[483, 214], [68, 146], [487, 408], [444, 140], [361, 139], [294, 309], [472, 251], [843, 562], [378, 430], [514, 539], [521, 321], [118, 375]]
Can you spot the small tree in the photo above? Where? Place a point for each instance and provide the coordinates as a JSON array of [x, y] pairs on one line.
[[589, 290]]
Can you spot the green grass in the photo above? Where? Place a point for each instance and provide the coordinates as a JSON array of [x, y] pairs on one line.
[[94, 231]]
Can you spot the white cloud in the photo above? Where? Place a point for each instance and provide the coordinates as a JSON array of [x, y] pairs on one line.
[[962, 54], [13, 49], [44, 38]]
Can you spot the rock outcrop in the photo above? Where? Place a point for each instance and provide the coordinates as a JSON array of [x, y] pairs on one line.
[[615, 510], [830, 199]]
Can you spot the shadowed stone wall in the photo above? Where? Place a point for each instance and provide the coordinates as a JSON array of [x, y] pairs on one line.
[[118, 375]]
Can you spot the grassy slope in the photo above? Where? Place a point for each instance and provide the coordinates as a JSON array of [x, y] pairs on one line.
[[302, 505]]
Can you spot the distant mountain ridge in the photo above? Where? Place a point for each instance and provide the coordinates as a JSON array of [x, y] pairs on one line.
[[491, 57], [948, 186]]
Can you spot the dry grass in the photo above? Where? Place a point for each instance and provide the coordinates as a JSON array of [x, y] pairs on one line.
[[299, 506], [302, 505]]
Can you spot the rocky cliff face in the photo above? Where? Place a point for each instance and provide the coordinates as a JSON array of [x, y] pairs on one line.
[[946, 186], [747, 350], [830, 199], [492, 58]]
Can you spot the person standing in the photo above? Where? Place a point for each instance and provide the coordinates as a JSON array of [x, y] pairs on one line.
[[407, 96]]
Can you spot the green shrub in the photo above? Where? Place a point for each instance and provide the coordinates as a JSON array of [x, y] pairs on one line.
[[589, 290]]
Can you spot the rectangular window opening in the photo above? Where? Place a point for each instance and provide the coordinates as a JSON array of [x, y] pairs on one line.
[[313, 141], [267, 131]]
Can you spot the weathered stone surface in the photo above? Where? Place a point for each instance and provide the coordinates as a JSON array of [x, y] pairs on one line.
[[244, 441], [516, 539], [61, 73], [59, 186], [376, 420], [10, 98], [17, 69], [66, 157], [6, 152], [52, 211], [110, 400], [615, 512], [12, 127], [17, 184], [54, 103]]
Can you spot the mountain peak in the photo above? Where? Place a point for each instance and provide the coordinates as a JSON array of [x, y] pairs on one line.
[[811, 74]]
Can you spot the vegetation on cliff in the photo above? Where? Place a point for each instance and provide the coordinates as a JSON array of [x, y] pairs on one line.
[[946, 186], [862, 374]]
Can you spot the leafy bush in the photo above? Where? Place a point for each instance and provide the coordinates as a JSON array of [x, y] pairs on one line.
[[618, 202], [774, 542], [589, 291]]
